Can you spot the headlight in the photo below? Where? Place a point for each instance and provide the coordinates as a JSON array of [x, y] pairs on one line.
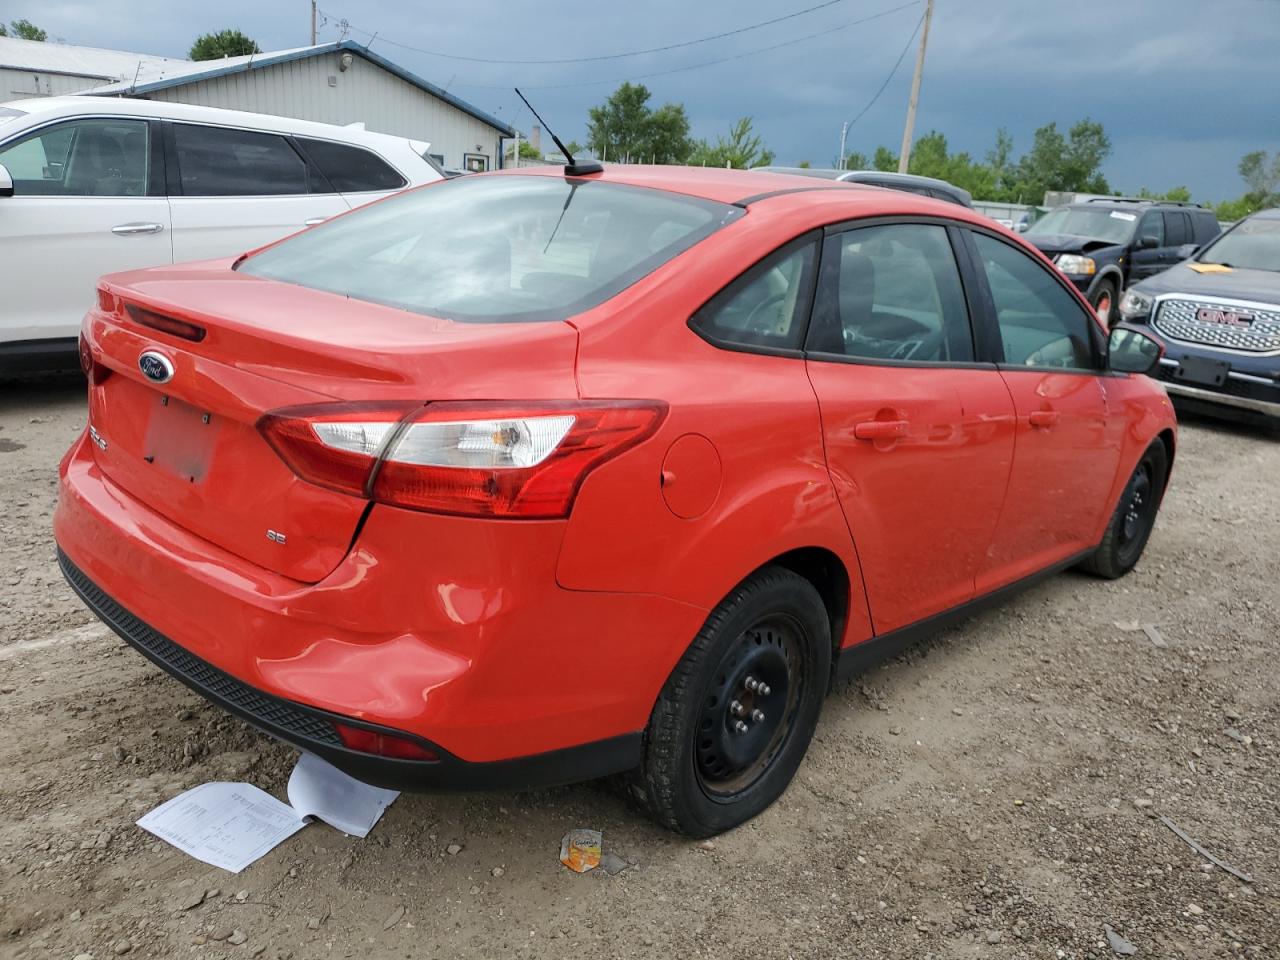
[[1074, 263], [1135, 305]]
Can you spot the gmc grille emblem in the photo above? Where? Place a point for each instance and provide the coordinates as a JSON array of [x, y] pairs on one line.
[[1228, 317]]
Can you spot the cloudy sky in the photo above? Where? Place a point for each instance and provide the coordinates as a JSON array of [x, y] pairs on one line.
[[1184, 87]]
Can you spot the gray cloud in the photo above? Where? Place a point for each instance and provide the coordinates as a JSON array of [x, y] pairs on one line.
[[1183, 87]]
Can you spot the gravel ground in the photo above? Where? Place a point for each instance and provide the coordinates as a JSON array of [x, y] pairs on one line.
[[995, 793]]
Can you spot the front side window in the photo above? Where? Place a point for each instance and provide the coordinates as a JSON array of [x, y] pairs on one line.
[[81, 158], [766, 306], [1041, 324], [351, 169], [502, 248], [891, 292], [224, 162], [1152, 225]]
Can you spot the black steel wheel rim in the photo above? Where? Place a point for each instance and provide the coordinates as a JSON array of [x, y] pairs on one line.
[[1137, 510], [749, 710]]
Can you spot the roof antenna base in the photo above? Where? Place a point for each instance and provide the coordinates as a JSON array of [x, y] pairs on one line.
[[582, 169]]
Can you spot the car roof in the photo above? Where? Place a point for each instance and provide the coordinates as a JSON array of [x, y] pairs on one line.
[[1272, 213], [780, 191], [71, 106]]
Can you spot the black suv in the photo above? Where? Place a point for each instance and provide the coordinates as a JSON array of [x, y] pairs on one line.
[[1105, 245]]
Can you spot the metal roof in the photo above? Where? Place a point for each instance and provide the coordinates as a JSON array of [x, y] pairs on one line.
[[89, 62], [177, 73]]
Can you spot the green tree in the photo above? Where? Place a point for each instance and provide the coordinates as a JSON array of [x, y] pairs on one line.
[[885, 160], [1262, 178], [742, 149], [527, 151], [803, 164], [625, 128], [226, 43], [853, 160], [1179, 194], [23, 30]]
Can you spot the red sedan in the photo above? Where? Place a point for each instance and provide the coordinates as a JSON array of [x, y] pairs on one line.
[[536, 477]]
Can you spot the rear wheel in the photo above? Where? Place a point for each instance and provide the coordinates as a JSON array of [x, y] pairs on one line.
[[1104, 302], [736, 715], [1135, 515]]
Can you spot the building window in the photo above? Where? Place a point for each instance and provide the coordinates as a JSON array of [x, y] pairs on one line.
[[475, 162]]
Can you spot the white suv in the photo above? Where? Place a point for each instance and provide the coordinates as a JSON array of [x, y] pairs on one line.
[[93, 185]]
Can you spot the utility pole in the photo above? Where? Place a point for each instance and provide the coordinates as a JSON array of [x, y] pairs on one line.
[[313, 22], [904, 156], [844, 129]]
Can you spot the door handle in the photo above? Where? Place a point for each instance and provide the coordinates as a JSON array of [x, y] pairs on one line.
[[133, 229], [1044, 419], [880, 429], [313, 221]]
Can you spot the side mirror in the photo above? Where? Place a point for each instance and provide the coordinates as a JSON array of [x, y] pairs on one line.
[[6, 182], [1147, 242], [1129, 351], [1187, 251]]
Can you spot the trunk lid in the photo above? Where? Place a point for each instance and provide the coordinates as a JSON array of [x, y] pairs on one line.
[[189, 449]]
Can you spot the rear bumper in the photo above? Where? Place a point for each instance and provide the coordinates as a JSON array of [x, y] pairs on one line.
[[445, 629], [311, 729]]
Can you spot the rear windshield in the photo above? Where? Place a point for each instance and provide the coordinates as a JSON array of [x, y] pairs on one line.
[[485, 249]]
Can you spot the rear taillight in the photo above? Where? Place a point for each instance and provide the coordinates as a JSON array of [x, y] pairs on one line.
[[475, 459], [383, 744], [93, 371]]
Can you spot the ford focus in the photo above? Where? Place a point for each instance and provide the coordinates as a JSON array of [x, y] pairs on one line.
[[542, 476]]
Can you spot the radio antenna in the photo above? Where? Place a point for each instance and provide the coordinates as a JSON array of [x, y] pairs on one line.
[[572, 168]]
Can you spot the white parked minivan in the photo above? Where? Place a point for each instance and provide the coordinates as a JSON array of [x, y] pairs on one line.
[[95, 185]]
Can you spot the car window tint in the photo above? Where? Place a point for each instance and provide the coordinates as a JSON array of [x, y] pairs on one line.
[[1175, 228], [224, 162], [766, 306], [352, 169], [891, 292], [1152, 225], [507, 249], [82, 158], [1041, 324]]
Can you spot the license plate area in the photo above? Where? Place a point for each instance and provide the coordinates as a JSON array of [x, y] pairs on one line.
[[1202, 370], [180, 439]]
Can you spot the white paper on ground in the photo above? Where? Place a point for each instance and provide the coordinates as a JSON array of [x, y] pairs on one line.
[[319, 789], [228, 825]]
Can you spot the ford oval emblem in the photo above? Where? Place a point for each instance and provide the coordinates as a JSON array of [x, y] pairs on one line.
[[155, 366]]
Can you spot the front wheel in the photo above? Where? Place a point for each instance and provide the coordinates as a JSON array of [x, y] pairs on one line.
[[736, 715], [1104, 302], [1135, 516]]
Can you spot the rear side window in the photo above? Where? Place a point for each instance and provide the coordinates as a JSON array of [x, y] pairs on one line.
[[351, 169], [224, 162], [766, 306], [502, 248], [1206, 226], [891, 292], [1176, 230], [1041, 325]]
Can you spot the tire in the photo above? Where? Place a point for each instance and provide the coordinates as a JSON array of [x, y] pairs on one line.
[[701, 774], [1107, 295], [1134, 517]]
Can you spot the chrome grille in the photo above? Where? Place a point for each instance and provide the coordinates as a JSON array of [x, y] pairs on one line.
[[1179, 318]]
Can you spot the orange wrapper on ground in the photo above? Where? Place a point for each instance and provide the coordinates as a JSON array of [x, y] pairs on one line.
[[580, 850]]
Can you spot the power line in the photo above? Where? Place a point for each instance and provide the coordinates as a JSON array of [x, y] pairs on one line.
[[618, 56], [694, 66], [896, 64]]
